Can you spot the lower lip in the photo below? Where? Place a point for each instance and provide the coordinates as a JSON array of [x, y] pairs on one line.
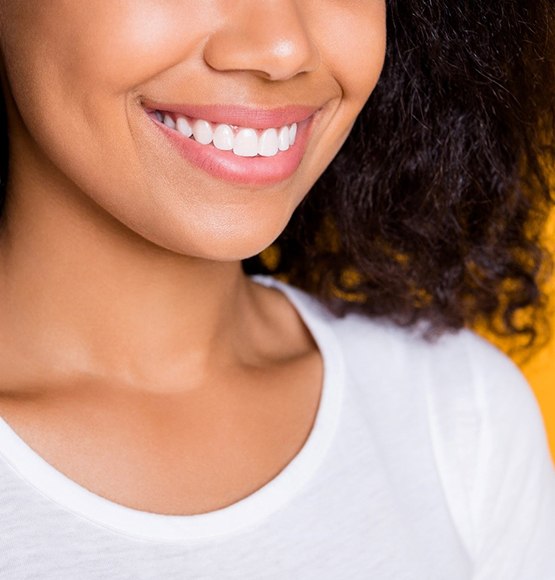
[[241, 170]]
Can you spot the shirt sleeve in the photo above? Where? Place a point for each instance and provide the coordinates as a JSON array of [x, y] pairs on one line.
[[511, 489]]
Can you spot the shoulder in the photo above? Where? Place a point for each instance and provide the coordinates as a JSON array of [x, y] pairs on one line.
[[473, 390], [486, 431], [465, 399], [455, 360]]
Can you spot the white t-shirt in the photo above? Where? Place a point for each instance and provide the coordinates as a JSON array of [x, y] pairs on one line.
[[425, 462]]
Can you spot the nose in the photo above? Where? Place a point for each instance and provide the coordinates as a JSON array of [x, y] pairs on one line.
[[269, 38]]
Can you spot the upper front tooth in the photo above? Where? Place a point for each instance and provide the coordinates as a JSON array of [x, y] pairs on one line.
[[283, 138], [202, 131], [268, 143], [246, 143], [223, 137]]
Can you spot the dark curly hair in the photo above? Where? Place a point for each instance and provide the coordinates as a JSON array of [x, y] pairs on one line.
[[432, 211]]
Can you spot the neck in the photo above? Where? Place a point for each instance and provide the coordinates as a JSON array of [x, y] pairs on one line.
[[83, 294]]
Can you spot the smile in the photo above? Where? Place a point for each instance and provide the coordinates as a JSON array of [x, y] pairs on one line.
[[237, 144], [243, 141]]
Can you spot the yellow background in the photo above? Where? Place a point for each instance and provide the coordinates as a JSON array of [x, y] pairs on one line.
[[540, 369]]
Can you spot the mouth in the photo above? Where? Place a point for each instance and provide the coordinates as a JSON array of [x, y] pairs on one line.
[[237, 144]]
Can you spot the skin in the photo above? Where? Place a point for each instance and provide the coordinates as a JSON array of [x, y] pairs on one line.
[[126, 323]]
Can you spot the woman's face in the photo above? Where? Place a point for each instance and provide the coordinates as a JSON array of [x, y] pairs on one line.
[[82, 79]]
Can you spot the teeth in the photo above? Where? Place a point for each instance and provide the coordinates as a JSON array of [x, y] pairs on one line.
[[292, 133], [202, 131], [283, 139], [223, 138], [246, 143], [183, 127], [168, 121], [243, 141], [268, 144]]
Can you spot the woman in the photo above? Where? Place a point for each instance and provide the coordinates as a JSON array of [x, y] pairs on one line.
[[172, 410]]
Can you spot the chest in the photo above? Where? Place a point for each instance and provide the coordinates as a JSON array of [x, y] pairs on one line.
[[170, 455]]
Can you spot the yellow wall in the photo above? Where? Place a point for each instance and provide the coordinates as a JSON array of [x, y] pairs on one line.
[[540, 370]]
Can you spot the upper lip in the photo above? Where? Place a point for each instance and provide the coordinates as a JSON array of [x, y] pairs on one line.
[[256, 118]]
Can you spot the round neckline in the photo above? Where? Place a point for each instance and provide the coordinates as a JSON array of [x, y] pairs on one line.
[[235, 517]]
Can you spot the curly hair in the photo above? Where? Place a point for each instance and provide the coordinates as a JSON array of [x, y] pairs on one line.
[[432, 211]]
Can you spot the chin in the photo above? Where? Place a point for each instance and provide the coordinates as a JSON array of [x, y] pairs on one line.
[[216, 241]]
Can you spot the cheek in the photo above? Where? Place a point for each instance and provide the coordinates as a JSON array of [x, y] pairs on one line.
[[358, 56], [353, 45], [71, 54], [133, 41], [72, 89]]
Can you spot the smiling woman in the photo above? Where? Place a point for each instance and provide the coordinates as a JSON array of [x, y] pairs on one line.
[[168, 408]]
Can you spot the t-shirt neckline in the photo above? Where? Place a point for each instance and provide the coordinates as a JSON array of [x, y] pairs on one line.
[[233, 518]]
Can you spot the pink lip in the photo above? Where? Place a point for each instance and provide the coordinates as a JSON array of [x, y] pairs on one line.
[[233, 168], [237, 115]]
